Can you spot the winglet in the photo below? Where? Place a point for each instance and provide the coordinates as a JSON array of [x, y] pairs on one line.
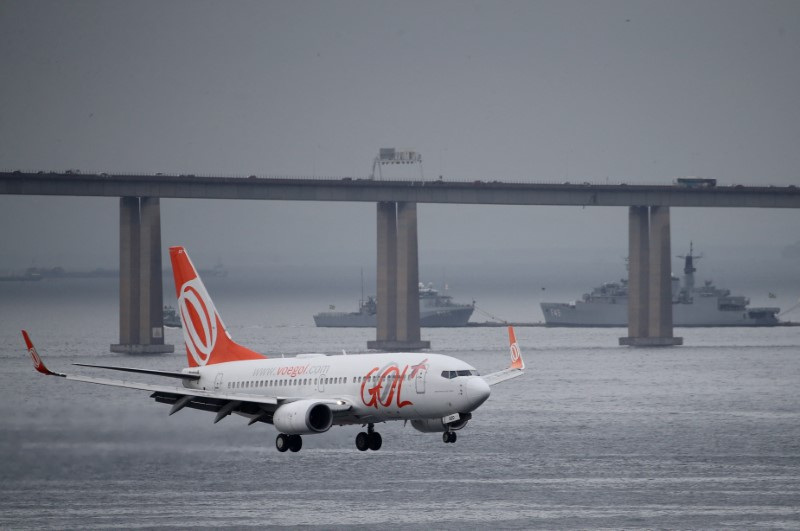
[[516, 356], [38, 364]]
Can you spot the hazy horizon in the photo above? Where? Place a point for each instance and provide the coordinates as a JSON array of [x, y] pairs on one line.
[[624, 91]]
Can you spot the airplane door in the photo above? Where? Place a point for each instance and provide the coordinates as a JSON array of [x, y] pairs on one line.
[[420, 380], [321, 384], [218, 382]]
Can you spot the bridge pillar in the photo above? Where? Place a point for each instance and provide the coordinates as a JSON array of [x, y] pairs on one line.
[[141, 328], [386, 329], [398, 279], [638, 269], [128, 271], [407, 274], [649, 279]]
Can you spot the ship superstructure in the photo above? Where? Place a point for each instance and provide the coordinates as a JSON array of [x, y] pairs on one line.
[[435, 310]]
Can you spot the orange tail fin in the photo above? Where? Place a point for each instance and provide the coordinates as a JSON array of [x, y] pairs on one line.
[[207, 340]]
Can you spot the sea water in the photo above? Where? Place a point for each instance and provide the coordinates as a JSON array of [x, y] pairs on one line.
[[706, 435]]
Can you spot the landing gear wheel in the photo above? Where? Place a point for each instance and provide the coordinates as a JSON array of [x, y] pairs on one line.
[[375, 441], [449, 437], [295, 443], [362, 441], [282, 442], [453, 436]]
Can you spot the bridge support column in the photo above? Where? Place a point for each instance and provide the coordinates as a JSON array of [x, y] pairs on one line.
[[638, 269], [398, 279], [386, 330], [141, 328], [649, 279]]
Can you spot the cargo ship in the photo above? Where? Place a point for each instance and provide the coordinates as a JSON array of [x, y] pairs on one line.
[[435, 310], [692, 306]]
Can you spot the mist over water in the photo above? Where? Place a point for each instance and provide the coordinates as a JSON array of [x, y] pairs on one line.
[[593, 436]]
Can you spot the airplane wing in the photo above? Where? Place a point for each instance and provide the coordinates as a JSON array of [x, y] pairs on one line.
[[258, 408], [169, 374], [517, 367]]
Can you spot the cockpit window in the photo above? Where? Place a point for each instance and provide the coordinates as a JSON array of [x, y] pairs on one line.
[[454, 374]]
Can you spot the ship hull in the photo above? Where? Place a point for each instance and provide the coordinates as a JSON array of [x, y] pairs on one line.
[[701, 313], [454, 317]]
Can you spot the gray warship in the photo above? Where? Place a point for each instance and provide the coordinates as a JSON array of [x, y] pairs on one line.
[[692, 306], [435, 310]]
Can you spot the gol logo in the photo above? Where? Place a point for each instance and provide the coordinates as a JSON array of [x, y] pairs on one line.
[[199, 320], [514, 353], [388, 384], [37, 361]]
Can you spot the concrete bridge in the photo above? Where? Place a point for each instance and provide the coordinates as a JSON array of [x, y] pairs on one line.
[[141, 327]]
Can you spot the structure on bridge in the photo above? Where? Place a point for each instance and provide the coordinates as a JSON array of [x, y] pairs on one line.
[[650, 311]]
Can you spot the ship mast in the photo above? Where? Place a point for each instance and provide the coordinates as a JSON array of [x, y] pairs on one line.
[[688, 267]]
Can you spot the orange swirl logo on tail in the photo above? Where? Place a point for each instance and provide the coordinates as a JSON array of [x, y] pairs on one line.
[[37, 361], [199, 318], [514, 353]]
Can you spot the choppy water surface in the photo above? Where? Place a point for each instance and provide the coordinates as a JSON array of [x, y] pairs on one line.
[[594, 436]]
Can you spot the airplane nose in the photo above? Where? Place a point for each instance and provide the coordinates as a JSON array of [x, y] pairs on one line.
[[477, 391]]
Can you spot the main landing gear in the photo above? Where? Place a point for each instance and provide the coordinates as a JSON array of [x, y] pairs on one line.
[[369, 440], [288, 442], [449, 437]]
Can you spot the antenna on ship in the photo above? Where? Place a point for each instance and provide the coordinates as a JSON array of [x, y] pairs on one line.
[[688, 266], [361, 301]]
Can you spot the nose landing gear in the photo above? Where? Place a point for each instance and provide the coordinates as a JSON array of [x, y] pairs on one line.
[[369, 440], [449, 437]]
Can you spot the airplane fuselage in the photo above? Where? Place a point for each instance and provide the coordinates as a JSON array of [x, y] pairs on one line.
[[378, 386]]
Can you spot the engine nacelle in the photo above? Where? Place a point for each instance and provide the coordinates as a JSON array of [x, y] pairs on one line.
[[438, 425], [303, 416]]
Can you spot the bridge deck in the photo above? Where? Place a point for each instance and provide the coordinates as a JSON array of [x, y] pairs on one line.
[[352, 189]]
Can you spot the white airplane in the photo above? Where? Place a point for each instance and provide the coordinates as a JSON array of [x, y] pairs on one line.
[[309, 393]]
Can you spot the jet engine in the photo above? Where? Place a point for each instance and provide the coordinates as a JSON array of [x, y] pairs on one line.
[[303, 416], [438, 425]]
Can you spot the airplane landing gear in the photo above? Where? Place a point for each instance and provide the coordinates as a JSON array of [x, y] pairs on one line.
[[288, 442], [369, 440], [449, 437]]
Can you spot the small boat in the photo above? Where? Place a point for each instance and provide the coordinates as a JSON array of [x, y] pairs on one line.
[[171, 317]]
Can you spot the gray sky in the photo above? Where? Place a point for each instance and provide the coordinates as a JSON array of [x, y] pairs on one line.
[[618, 91]]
